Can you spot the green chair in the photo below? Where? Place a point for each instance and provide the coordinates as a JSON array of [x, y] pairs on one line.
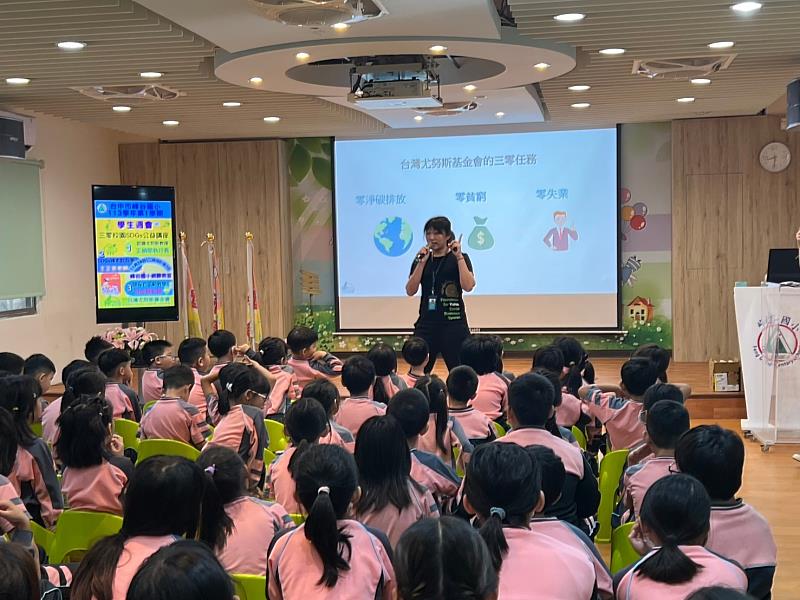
[[77, 531], [277, 436], [498, 429], [43, 537], [148, 406], [250, 587], [298, 518], [456, 456], [622, 551], [269, 457], [36, 428], [148, 448], [611, 468], [580, 436], [129, 431]]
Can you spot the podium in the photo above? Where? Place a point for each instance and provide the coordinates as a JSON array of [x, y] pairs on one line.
[[768, 324]]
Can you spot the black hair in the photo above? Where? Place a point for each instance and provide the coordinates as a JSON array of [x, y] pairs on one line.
[[531, 397], [19, 579], [638, 374], [503, 485], [8, 443], [95, 347], [326, 479], [185, 570], [552, 470], [236, 380], [677, 510], [667, 421], [177, 377], [300, 338], [443, 558], [84, 431], [110, 360], [85, 381], [662, 391], [273, 351], [306, 421], [479, 351], [576, 360], [153, 349], [659, 356], [13, 363], [439, 225], [221, 342], [226, 478], [553, 377], [415, 351], [715, 456], [38, 364], [191, 350], [718, 592], [73, 366], [410, 408], [358, 374], [549, 357], [384, 358], [163, 497], [462, 384], [19, 395], [435, 391], [324, 392]]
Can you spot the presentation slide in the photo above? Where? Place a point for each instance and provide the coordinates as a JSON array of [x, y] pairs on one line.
[[536, 213], [134, 254]]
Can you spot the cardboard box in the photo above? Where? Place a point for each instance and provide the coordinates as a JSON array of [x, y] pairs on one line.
[[725, 375]]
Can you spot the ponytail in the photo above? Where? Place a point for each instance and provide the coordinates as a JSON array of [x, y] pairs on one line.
[[306, 421], [379, 393], [94, 578], [84, 431], [19, 395], [435, 391], [215, 524], [384, 359], [492, 533], [225, 478], [669, 565], [322, 530], [236, 379], [299, 450], [575, 360], [8, 442]]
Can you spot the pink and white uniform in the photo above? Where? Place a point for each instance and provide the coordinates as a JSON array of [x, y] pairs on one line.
[[174, 419], [619, 416], [355, 411], [639, 478], [393, 521], [98, 488], [327, 367], [135, 551], [492, 395]]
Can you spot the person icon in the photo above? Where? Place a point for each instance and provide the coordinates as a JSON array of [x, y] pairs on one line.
[[557, 238]]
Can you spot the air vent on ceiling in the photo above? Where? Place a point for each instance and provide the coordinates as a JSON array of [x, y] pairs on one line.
[[319, 13], [143, 92], [682, 68], [448, 109]]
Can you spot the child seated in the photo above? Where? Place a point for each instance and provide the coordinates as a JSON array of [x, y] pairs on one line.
[[580, 371], [307, 362], [324, 392], [415, 353], [620, 414], [329, 556], [96, 472], [95, 347], [193, 353], [671, 532], [115, 364], [11, 364], [53, 410], [172, 417], [661, 358], [158, 356], [272, 354], [480, 352], [444, 434], [715, 456], [655, 393], [387, 381], [667, 421], [41, 369], [462, 385], [570, 412], [551, 425], [358, 376]]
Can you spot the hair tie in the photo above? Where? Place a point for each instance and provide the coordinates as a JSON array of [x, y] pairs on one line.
[[572, 363], [324, 489], [498, 512], [229, 386], [211, 469]]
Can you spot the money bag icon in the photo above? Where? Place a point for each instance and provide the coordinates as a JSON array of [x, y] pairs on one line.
[[480, 238]]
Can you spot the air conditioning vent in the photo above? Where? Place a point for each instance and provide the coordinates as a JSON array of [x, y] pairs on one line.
[[319, 13], [140, 92], [682, 68], [448, 109]]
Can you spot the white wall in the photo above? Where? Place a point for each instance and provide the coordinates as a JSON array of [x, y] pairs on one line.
[[75, 156]]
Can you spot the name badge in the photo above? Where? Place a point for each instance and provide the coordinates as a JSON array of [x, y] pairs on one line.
[[432, 303]]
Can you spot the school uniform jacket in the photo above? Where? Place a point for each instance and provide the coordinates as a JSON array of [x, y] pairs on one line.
[[328, 367], [175, 419], [34, 478], [243, 431]]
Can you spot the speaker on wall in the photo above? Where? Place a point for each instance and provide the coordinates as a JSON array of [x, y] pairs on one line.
[[12, 138], [793, 104]]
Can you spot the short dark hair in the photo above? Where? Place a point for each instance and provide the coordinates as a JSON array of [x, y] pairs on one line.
[[94, 347], [12, 363], [439, 225], [462, 384], [662, 391], [658, 355], [301, 337], [638, 374], [480, 352], [36, 364], [713, 455], [324, 392], [718, 592], [531, 397], [410, 408], [191, 350], [273, 351], [667, 421], [110, 360], [358, 374], [549, 357], [152, 350], [220, 342], [73, 366], [553, 472], [177, 377], [415, 351]]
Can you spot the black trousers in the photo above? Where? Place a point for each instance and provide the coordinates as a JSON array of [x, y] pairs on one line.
[[442, 338]]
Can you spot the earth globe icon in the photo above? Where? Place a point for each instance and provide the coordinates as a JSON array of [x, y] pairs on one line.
[[393, 236]]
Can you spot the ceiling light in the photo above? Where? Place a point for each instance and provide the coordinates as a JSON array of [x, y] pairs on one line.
[[721, 45], [18, 81], [579, 88], [71, 45], [685, 100], [256, 80], [302, 56], [570, 17], [231, 104], [150, 74], [170, 123], [121, 109], [542, 66], [437, 48], [271, 119], [746, 7], [580, 105], [341, 26], [701, 81], [500, 114], [418, 118], [470, 88], [612, 51]]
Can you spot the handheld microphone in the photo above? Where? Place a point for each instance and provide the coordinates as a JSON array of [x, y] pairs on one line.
[[421, 255]]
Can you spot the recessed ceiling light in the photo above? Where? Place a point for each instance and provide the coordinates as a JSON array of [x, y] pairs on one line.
[[121, 109], [66, 45], [612, 51], [685, 100], [500, 114], [470, 88], [580, 105], [418, 118], [721, 45], [701, 81], [170, 123], [746, 7], [340, 26], [231, 104], [579, 88], [151, 74], [570, 17], [437, 48], [256, 80], [18, 81], [302, 56], [271, 119], [542, 66]]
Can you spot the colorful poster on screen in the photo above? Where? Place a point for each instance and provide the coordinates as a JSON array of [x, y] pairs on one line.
[[134, 251]]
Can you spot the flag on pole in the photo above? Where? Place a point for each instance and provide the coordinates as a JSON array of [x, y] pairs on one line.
[[191, 323], [254, 333], [218, 315]]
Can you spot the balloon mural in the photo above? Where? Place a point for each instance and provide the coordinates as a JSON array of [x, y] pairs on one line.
[[634, 216]]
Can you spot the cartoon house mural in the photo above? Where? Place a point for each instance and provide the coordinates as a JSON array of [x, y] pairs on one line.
[[641, 310]]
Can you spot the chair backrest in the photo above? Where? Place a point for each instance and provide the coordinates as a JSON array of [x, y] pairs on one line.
[[622, 551], [154, 447], [277, 436], [498, 429], [148, 406], [129, 431], [579, 436], [459, 465], [78, 530], [611, 468], [37, 428], [250, 587], [43, 537], [269, 457], [298, 518]]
